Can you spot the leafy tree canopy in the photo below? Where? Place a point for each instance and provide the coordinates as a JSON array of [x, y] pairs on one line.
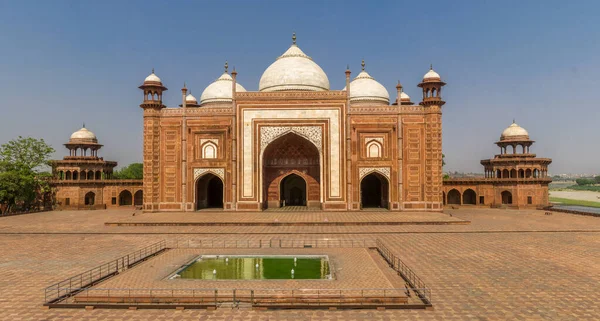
[[131, 171], [21, 177]]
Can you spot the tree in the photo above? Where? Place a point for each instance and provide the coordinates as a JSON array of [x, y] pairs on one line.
[[584, 181], [597, 179], [443, 160], [21, 177], [132, 171]]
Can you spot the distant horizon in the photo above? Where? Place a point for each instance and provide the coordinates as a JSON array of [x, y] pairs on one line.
[[66, 63]]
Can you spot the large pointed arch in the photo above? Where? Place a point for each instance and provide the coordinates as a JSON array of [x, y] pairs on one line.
[[289, 153]]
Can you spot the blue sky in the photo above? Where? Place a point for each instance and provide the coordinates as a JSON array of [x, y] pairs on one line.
[[68, 62]]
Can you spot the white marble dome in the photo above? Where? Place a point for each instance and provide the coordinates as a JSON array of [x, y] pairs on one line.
[[514, 132], [294, 70], [366, 88], [84, 135], [404, 96], [431, 75], [220, 90], [191, 99], [152, 77]]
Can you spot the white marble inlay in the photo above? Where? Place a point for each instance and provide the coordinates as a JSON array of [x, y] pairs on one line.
[[314, 134], [217, 171], [212, 140], [248, 132], [364, 171]]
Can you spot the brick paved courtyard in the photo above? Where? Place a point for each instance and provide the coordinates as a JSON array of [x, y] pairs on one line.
[[505, 265]]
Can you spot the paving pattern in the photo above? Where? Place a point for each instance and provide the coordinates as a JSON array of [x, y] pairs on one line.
[[505, 265]]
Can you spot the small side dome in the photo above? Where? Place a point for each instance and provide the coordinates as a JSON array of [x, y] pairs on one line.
[[514, 132], [294, 70], [152, 78], [365, 88], [220, 90], [405, 99], [431, 75], [83, 136], [191, 99]]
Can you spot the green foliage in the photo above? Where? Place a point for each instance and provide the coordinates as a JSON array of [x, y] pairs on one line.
[[446, 176], [568, 201], [443, 160], [585, 188], [21, 178], [132, 171], [597, 179], [585, 181]]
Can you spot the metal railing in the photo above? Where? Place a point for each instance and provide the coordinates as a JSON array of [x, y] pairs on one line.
[[413, 281], [77, 283], [254, 297], [274, 243]]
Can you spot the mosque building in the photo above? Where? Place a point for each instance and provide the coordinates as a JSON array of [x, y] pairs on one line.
[[294, 142], [297, 144]]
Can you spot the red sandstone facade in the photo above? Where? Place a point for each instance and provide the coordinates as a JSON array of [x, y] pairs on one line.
[[514, 178], [293, 143], [84, 181]]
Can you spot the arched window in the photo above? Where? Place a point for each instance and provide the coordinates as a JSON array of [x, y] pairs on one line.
[[536, 173], [521, 173], [75, 175], [498, 174], [373, 149], [528, 173], [68, 175], [90, 175], [513, 173], [209, 150], [98, 175], [505, 173]]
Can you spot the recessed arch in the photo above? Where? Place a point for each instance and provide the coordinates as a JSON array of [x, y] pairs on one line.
[[98, 175], [209, 150], [90, 198], [513, 173], [90, 175], [454, 197], [528, 173], [209, 191], [469, 197], [374, 149], [75, 175], [138, 198], [374, 191], [293, 190], [506, 197], [290, 153], [505, 173], [68, 175], [125, 198]]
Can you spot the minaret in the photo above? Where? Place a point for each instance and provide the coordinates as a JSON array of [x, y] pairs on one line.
[[432, 102], [348, 142], [233, 140], [432, 88], [183, 96], [152, 105], [153, 90]]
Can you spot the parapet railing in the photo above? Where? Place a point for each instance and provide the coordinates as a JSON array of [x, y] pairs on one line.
[[274, 243], [68, 287], [277, 298], [413, 281]]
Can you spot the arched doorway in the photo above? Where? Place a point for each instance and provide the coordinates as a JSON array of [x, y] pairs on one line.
[[292, 191], [291, 153], [125, 198], [444, 198], [209, 192], [374, 191], [138, 198], [506, 197], [469, 197], [454, 197], [90, 198]]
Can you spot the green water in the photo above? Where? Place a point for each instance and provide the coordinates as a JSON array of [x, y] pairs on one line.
[[269, 268]]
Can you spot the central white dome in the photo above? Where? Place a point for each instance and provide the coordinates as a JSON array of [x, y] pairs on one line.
[[294, 70]]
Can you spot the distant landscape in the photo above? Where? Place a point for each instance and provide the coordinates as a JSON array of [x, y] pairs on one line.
[[581, 192]]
